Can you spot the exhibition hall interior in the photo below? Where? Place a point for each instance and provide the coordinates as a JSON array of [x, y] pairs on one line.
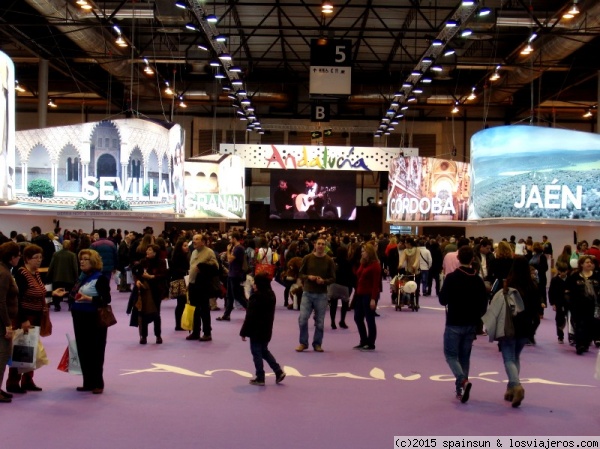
[[474, 118]]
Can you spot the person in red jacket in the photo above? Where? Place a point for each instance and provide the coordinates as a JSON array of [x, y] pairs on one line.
[[594, 250], [368, 282]]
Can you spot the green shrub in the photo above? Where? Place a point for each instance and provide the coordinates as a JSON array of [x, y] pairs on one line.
[[40, 188]]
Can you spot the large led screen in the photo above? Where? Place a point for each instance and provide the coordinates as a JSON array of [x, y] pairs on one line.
[[427, 189], [313, 195], [534, 172]]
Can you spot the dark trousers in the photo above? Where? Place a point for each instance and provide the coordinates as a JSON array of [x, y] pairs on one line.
[[260, 351], [91, 345], [235, 292], [199, 298], [333, 303], [434, 275], [181, 301], [561, 321], [362, 313]]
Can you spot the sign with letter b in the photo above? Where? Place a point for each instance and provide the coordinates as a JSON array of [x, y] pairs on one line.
[[320, 112]]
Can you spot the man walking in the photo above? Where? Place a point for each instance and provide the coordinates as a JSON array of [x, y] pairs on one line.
[[317, 272], [236, 275], [465, 297]]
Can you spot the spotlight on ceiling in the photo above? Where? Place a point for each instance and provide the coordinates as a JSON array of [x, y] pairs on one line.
[[326, 7]]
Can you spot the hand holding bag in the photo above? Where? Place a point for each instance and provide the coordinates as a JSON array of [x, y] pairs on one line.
[[106, 317]]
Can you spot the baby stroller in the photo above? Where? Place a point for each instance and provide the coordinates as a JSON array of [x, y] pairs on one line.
[[403, 289]]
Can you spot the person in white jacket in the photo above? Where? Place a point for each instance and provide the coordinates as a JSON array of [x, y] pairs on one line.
[[425, 262]]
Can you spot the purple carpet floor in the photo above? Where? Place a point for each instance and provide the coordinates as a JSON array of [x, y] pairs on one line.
[[187, 394]]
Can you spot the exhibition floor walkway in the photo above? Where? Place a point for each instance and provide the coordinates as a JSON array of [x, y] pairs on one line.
[[190, 394]]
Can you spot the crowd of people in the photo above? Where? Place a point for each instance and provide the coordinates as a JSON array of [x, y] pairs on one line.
[[318, 268]]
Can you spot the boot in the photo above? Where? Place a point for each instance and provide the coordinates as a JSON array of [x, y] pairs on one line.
[[518, 396], [508, 395]]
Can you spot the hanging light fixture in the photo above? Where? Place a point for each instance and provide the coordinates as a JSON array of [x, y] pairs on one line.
[[455, 109], [528, 49], [326, 7], [168, 89], [484, 11], [148, 70], [472, 95], [449, 51], [18, 87], [466, 32], [182, 103], [572, 12], [211, 18], [588, 114], [121, 42], [180, 4], [52, 104]]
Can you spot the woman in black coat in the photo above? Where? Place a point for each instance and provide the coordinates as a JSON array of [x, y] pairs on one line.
[[258, 326], [151, 275]]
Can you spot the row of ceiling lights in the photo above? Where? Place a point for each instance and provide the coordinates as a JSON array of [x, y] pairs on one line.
[[437, 48], [225, 70], [392, 115]]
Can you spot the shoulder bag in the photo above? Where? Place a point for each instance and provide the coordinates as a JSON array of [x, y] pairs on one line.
[[106, 317]]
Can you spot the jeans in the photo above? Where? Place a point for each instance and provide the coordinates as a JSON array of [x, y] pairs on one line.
[[423, 280], [235, 292], [458, 341], [310, 302], [362, 312], [260, 351], [511, 351]]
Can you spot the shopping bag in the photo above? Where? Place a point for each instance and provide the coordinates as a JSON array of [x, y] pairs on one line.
[[25, 348], [40, 360], [187, 318], [72, 364], [63, 365]]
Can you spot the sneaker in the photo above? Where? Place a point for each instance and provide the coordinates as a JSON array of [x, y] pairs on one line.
[[318, 348], [279, 377], [367, 348], [257, 382], [561, 341], [466, 391], [359, 346], [343, 325], [223, 318], [205, 338], [333, 326], [301, 348]]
